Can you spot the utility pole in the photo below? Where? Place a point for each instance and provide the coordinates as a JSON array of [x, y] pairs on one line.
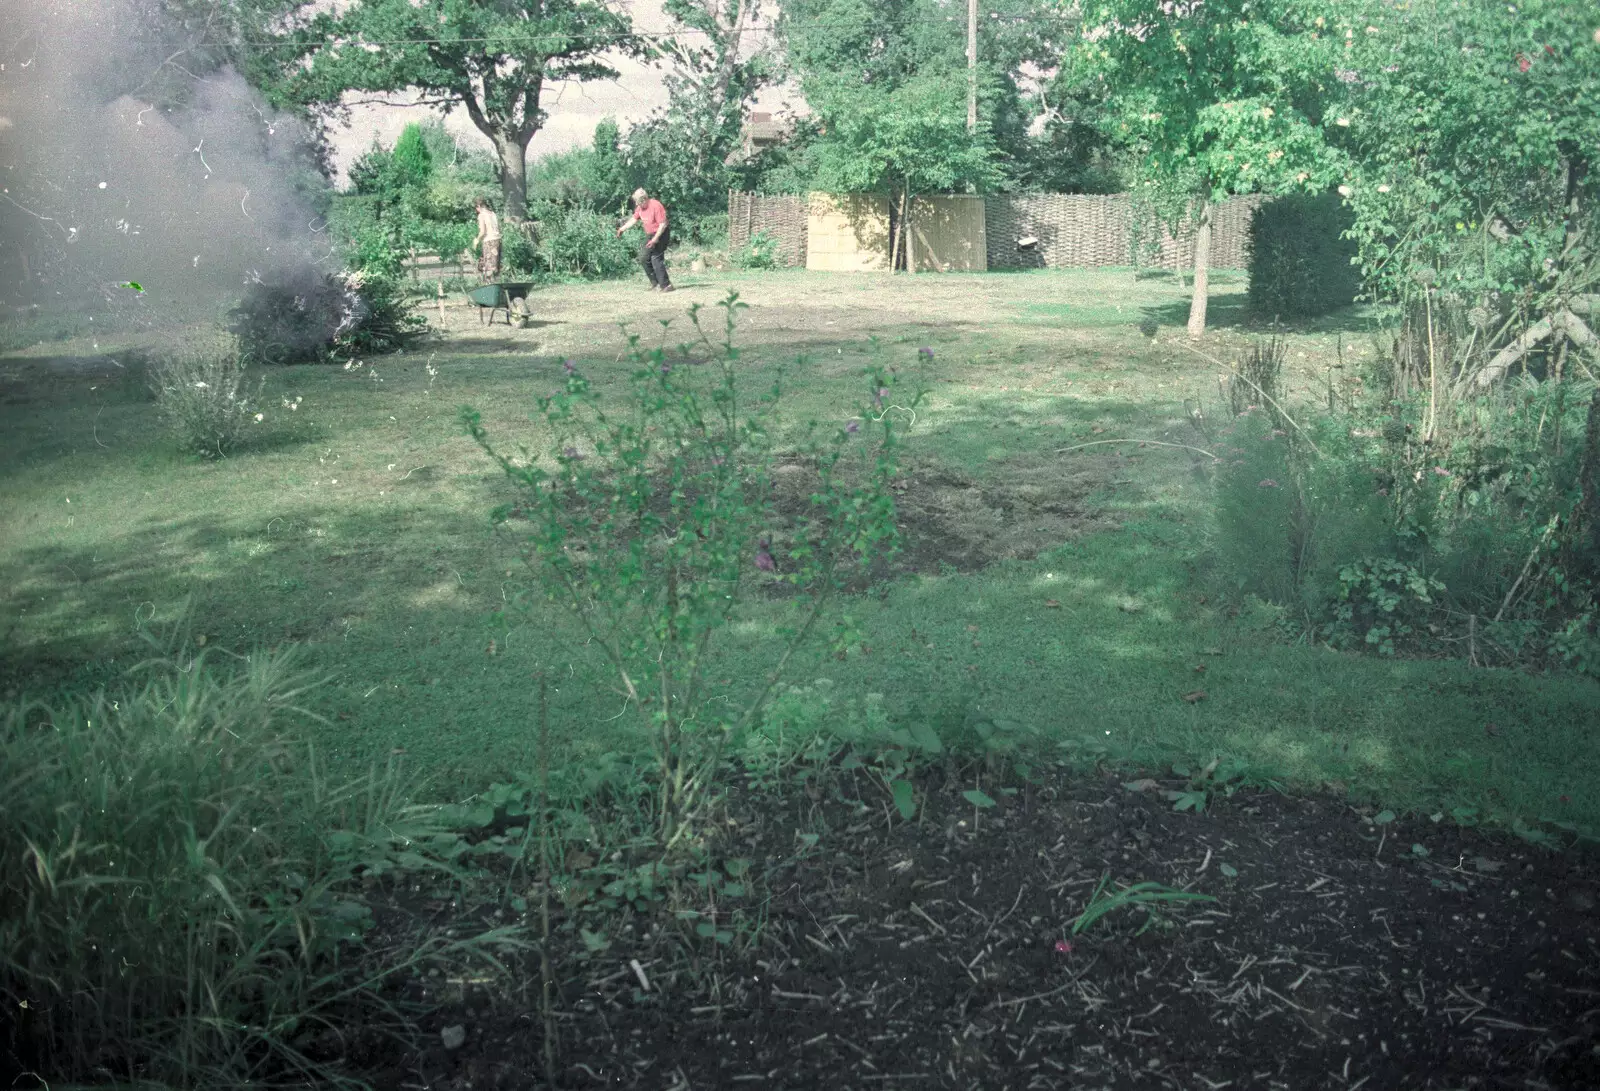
[[972, 66]]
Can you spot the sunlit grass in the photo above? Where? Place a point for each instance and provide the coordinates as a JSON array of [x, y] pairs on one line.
[[357, 524]]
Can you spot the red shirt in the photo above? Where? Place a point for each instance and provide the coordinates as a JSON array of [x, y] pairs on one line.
[[652, 215]]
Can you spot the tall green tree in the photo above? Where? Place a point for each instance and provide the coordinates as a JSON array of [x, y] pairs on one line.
[[1220, 97], [888, 83], [491, 58], [1474, 132], [684, 153], [903, 141]]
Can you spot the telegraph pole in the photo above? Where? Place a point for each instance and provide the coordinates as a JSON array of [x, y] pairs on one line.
[[972, 66]]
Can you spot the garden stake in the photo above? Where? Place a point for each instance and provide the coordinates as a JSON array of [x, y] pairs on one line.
[[544, 887]]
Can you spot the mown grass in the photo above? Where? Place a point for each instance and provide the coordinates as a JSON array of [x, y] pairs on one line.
[[357, 525]]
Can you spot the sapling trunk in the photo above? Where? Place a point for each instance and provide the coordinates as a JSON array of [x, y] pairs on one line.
[[546, 977], [1202, 264]]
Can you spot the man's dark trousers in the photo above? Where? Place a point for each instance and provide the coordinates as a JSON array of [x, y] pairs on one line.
[[654, 259]]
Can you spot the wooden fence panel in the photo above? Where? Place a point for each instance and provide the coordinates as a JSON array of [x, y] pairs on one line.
[[847, 234], [947, 234]]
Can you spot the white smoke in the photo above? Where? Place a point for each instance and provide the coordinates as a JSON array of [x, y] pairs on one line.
[[102, 189]]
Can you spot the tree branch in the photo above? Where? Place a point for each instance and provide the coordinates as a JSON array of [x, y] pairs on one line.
[[1515, 351]]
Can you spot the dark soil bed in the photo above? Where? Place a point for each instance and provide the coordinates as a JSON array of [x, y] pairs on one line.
[[938, 954]]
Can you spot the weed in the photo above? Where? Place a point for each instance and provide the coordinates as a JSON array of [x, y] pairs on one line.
[[206, 399], [761, 252], [1146, 895]]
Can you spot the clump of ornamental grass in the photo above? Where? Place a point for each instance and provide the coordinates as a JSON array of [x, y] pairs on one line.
[[206, 398], [651, 523], [183, 900]]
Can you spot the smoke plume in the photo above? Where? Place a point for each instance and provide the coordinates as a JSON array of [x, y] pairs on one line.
[[126, 160]]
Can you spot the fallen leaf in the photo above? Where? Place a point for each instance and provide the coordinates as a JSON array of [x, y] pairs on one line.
[[1053, 604], [1212, 651], [1200, 668], [1195, 697], [972, 628], [1143, 785], [1491, 730]]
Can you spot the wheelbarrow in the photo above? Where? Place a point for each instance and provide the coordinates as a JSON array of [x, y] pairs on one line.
[[494, 297]]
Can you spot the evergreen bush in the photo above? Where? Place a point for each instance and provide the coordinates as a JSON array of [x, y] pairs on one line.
[[1300, 267]]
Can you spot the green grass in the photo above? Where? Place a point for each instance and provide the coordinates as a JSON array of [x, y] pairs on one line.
[[357, 525]]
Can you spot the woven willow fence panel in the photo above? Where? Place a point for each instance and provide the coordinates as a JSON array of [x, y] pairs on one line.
[[782, 217], [1086, 230], [1073, 230]]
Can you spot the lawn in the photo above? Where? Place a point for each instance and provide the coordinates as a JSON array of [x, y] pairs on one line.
[[357, 524], [1020, 928]]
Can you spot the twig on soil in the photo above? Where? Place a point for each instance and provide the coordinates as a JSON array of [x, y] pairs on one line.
[[1006, 915], [1046, 995], [1142, 442]]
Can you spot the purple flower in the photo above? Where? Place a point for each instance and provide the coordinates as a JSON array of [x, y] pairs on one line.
[[569, 367], [666, 367], [877, 399], [763, 558], [925, 352], [1267, 483], [853, 427], [572, 453]]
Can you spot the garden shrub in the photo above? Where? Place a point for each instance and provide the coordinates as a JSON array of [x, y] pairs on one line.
[[183, 901], [306, 316], [205, 398], [580, 242], [1474, 540], [761, 252], [650, 524], [1300, 267], [519, 252]]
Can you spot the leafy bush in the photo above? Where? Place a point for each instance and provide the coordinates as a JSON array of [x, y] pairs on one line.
[[1300, 267], [761, 252], [205, 399], [183, 901], [519, 253], [306, 316], [1410, 522], [580, 242], [650, 525]]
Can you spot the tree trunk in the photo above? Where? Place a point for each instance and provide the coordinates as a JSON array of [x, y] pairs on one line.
[[1202, 265], [513, 177], [898, 242]]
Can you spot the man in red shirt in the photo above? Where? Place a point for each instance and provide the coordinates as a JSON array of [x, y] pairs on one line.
[[652, 216]]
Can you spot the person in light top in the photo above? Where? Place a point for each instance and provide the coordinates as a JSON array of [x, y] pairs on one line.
[[652, 216], [488, 238]]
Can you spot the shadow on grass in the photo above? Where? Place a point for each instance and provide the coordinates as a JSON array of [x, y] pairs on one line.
[[1232, 312]]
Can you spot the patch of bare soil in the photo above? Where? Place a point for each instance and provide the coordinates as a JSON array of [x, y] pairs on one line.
[[938, 953], [952, 521]]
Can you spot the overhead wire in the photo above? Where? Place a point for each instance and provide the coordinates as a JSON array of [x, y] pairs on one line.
[[506, 39]]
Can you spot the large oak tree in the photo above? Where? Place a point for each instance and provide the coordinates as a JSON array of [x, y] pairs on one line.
[[491, 58], [1221, 97]]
